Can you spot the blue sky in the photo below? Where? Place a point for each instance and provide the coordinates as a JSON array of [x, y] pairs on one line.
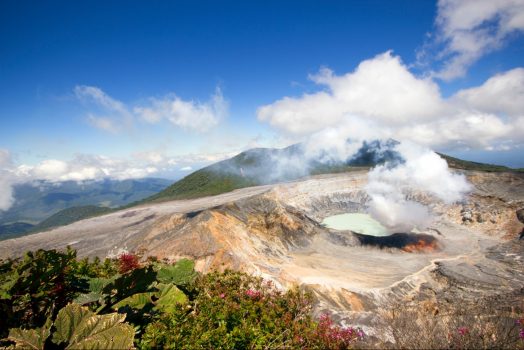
[[219, 62]]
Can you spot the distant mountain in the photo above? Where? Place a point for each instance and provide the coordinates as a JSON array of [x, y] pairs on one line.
[[457, 163], [61, 218], [70, 215], [39, 200], [260, 166], [14, 230]]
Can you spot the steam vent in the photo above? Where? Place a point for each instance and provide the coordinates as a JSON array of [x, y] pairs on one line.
[[315, 233]]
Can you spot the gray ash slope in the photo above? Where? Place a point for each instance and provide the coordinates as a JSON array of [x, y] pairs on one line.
[[39, 200]]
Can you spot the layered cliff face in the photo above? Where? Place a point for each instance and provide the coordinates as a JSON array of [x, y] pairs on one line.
[[470, 251]]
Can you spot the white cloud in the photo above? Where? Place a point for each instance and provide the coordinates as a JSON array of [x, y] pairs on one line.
[[383, 99], [502, 93], [116, 114], [5, 158], [380, 88], [50, 168], [101, 123], [84, 167], [466, 30], [96, 95], [6, 180], [186, 168], [189, 115], [150, 157]]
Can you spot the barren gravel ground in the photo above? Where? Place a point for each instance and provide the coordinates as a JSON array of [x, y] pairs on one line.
[[103, 233]]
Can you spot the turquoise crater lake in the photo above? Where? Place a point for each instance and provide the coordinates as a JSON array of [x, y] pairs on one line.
[[356, 222]]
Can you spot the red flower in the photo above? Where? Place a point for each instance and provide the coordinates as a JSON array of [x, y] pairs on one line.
[[127, 262]]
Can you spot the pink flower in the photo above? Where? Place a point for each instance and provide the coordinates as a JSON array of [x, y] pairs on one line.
[[462, 331], [521, 333], [253, 294], [223, 295]]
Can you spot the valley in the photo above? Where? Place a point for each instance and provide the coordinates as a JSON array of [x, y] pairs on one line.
[[471, 250]]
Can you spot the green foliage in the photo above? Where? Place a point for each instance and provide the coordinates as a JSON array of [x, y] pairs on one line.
[[234, 310], [168, 298], [96, 290], [181, 274], [78, 328], [30, 338], [164, 306], [136, 301], [33, 288], [164, 299], [107, 269], [136, 281]]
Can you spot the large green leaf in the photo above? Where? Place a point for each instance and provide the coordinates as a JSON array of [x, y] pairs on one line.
[[137, 281], [97, 285], [136, 301], [80, 328], [88, 298], [169, 295], [181, 274], [96, 290], [30, 338], [7, 282]]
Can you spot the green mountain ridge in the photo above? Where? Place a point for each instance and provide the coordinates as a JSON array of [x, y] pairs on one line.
[[457, 163], [256, 166]]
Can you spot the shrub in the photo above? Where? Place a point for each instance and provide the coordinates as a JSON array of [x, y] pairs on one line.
[[165, 306], [482, 325], [34, 288], [235, 310], [128, 262]]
